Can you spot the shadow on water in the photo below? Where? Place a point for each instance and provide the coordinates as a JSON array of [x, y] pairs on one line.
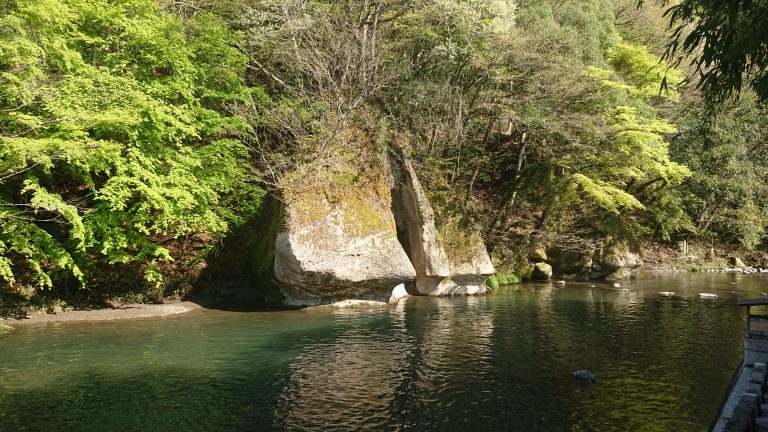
[[162, 400]]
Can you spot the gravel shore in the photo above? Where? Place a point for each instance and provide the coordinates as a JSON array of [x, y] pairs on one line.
[[125, 311]]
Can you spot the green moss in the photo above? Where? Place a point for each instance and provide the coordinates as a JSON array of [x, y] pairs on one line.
[[362, 202], [492, 282], [507, 278]]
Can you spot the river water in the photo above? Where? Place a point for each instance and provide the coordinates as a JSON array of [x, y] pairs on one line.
[[499, 362]]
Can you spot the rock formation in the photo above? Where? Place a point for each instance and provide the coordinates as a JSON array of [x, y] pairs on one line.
[[373, 237], [340, 247], [617, 260], [541, 272], [459, 264]]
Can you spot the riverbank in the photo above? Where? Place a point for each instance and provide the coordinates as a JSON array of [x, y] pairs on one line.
[[117, 312], [699, 257]]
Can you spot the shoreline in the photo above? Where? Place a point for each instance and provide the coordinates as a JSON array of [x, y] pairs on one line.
[[119, 312]]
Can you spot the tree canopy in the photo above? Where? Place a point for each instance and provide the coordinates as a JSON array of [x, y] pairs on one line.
[[728, 41], [114, 137]]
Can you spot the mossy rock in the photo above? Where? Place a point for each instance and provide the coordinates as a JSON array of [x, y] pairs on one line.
[[736, 262], [541, 272], [498, 279]]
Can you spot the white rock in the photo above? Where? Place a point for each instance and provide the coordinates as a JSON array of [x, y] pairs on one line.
[[667, 293], [398, 294], [616, 285], [439, 271], [708, 296], [351, 303], [332, 249]]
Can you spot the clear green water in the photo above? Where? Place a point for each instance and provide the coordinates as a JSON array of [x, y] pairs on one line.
[[500, 362]]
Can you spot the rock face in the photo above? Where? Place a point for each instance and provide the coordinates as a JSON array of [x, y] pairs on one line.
[[618, 261], [541, 272], [459, 265], [337, 249], [570, 264], [374, 238], [416, 227], [537, 253], [736, 262]]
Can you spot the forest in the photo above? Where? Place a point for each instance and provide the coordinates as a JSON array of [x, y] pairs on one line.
[[137, 136]]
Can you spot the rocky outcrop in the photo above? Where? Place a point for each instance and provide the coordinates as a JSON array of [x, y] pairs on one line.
[[570, 264], [736, 262], [450, 261], [340, 245], [617, 260], [416, 227], [537, 253], [541, 272], [371, 235]]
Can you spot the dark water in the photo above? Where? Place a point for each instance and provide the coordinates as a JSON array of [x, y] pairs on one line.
[[500, 362]]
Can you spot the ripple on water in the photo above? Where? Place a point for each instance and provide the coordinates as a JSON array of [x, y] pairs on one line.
[[500, 362]]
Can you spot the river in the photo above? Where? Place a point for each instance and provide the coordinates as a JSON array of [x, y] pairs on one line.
[[499, 362]]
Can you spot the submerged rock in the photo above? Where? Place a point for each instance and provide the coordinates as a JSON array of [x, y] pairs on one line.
[[711, 296], [585, 376]]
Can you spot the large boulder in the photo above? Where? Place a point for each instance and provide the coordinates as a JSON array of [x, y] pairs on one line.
[[541, 272], [339, 243], [570, 264], [468, 260], [369, 234], [736, 262], [618, 260]]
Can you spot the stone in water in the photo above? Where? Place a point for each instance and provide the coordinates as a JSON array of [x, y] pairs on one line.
[[585, 376], [708, 296], [667, 293]]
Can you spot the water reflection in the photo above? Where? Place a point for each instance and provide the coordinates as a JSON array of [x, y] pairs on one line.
[[500, 362]]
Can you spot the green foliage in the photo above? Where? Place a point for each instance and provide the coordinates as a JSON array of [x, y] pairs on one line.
[[727, 40], [115, 137], [507, 278], [726, 194]]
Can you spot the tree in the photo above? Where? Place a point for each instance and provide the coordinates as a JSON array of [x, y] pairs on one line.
[[115, 140], [728, 41]]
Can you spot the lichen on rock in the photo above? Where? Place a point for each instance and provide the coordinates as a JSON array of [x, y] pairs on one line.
[[338, 241]]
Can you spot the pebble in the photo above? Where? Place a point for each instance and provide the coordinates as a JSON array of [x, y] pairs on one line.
[[667, 293], [708, 296]]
